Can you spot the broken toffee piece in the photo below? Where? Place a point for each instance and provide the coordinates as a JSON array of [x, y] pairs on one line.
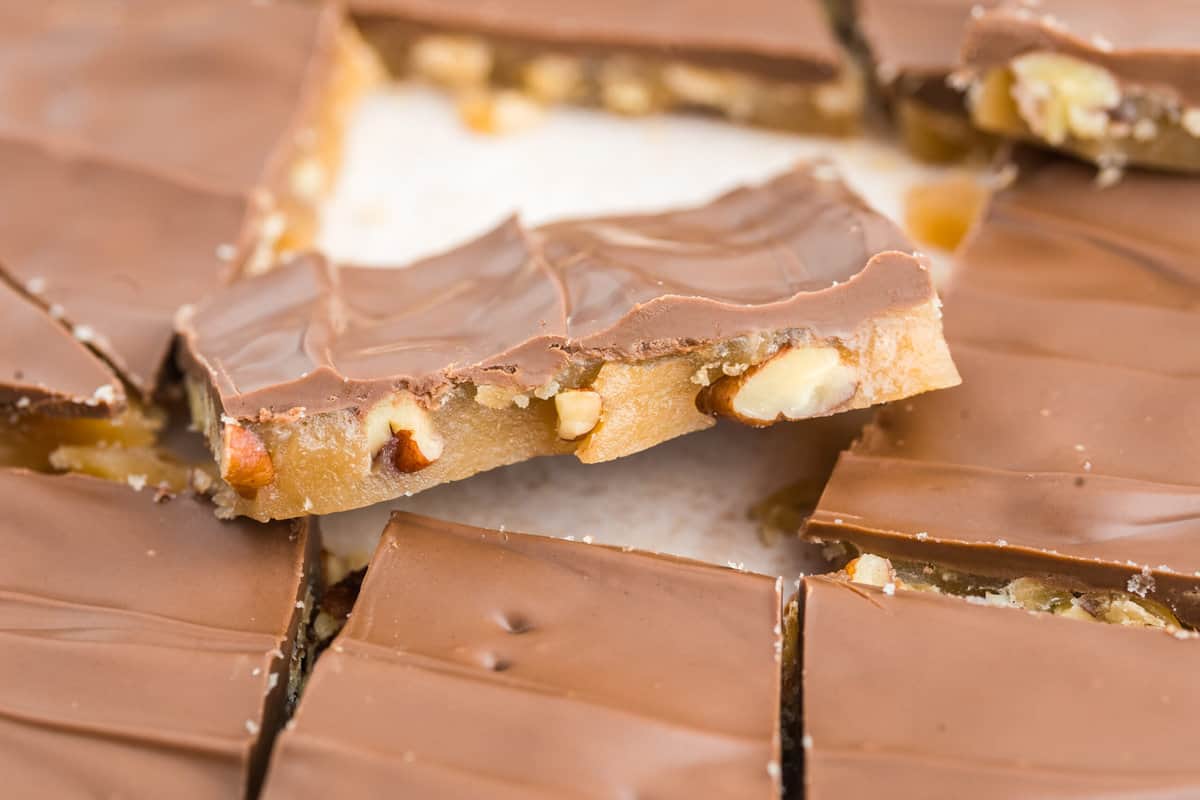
[[325, 387], [1070, 454], [911, 694], [765, 62], [231, 96], [915, 46], [1091, 78], [487, 664], [148, 649]]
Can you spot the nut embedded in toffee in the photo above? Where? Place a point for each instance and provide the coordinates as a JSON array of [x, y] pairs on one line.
[[502, 665], [598, 337]]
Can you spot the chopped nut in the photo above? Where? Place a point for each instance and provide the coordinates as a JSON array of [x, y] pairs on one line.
[[796, 383], [1058, 96], [871, 570], [709, 88], [497, 397], [245, 463], [504, 111], [553, 78], [456, 61], [402, 420], [1190, 120], [578, 412], [626, 92]]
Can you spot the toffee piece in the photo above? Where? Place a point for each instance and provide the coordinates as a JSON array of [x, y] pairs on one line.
[[324, 387], [45, 370], [486, 664], [911, 694], [1094, 79], [764, 62], [1070, 453], [237, 97], [915, 46], [148, 648]]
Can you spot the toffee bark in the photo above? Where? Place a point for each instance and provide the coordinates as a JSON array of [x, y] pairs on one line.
[[324, 387]]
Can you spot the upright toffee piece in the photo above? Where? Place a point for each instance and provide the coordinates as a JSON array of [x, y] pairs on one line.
[[324, 387]]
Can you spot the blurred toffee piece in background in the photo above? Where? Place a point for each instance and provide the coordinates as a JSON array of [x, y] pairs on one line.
[[774, 63]]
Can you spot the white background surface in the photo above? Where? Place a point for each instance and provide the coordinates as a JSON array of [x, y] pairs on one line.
[[416, 181]]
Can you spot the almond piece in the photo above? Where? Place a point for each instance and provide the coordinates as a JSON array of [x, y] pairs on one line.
[[871, 570], [245, 463], [578, 412], [402, 419], [796, 383]]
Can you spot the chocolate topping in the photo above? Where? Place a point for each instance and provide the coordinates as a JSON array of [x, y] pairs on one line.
[[209, 90], [44, 369], [486, 664], [1071, 446], [139, 640], [1157, 48], [917, 39], [112, 250], [789, 38], [798, 253], [927, 696]]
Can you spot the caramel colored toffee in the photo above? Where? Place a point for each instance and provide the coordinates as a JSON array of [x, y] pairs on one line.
[[43, 369], [147, 648], [911, 694], [485, 664], [1070, 450], [765, 62], [1091, 78], [326, 386]]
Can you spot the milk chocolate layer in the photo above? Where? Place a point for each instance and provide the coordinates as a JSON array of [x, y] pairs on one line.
[[208, 90], [513, 307], [144, 645], [485, 664], [927, 696], [915, 39], [1072, 445], [44, 369], [112, 251], [786, 39], [1155, 47]]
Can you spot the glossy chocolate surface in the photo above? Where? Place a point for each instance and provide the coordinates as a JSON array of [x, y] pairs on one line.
[[478, 663], [143, 643], [927, 696], [800, 252]]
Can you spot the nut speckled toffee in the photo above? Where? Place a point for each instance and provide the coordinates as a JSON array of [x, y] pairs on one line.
[[1072, 449], [911, 694], [145, 648], [478, 663], [766, 62], [1110, 82], [326, 386]]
